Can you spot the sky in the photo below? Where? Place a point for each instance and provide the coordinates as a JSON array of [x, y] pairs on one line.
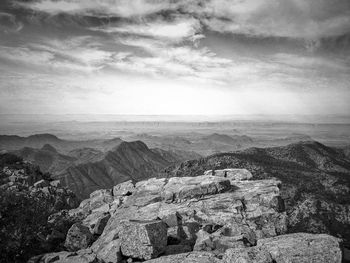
[[180, 57]]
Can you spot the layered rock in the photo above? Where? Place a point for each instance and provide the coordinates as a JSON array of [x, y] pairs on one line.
[[194, 219], [298, 247]]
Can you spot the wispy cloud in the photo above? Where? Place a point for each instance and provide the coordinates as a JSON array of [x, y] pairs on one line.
[[179, 29], [9, 23]]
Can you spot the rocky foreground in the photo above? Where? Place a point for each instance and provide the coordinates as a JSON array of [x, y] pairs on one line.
[[221, 216]]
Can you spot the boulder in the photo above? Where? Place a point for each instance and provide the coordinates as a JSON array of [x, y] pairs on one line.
[[123, 189], [143, 240], [184, 188], [191, 257], [298, 247], [78, 237]]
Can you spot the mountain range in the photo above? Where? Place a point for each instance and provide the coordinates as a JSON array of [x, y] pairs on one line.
[[128, 161], [14, 142]]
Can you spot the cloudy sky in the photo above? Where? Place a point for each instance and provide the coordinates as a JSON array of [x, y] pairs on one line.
[[207, 57]]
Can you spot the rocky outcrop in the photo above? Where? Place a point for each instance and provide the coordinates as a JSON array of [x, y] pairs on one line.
[[315, 182], [217, 217], [299, 247]]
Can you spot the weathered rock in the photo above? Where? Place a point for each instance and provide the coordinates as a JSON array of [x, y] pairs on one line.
[[110, 252], [232, 174], [185, 188], [249, 210], [78, 237], [247, 255], [143, 240], [84, 258], [192, 257], [101, 224], [123, 189], [216, 242], [298, 247], [96, 222]]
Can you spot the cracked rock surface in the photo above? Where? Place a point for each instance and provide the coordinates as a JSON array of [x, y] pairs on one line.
[[221, 216]]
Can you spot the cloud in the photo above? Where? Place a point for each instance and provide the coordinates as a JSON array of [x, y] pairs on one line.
[[120, 8], [55, 54], [274, 18], [181, 28], [313, 19], [9, 23], [184, 62]]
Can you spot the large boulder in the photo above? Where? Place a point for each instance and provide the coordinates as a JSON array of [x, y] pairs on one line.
[[143, 240], [184, 188], [298, 247], [78, 237]]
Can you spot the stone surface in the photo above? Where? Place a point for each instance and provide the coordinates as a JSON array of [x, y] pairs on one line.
[[123, 188], [231, 174], [185, 188], [78, 237], [110, 252], [192, 257], [143, 240], [96, 222], [298, 247], [222, 214]]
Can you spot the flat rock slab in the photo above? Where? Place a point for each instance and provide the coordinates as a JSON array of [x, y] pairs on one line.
[[192, 257], [143, 240], [298, 247], [183, 188]]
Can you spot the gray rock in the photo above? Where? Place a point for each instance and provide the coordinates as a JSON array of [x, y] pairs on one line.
[[78, 237], [192, 257], [101, 224], [143, 240], [231, 173], [185, 188], [123, 189], [96, 222], [110, 252], [298, 247]]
